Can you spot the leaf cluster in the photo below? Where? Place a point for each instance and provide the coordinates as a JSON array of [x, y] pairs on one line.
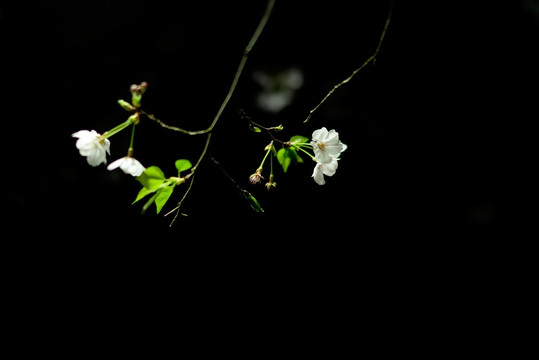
[[289, 154], [154, 182]]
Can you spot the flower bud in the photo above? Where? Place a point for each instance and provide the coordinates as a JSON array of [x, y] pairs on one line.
[[256, 177], [126, 106], [136, 93], [142, 87], [135, 118], [271, 185]]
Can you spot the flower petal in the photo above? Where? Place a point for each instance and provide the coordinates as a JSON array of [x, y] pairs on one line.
[[332, 137], [137, 169], [115, 164], [334, 150], [318, 174], [95, 158], [126, 163], [81, 133], [320, 134], [106, 145], [331, 168], [322, 156]]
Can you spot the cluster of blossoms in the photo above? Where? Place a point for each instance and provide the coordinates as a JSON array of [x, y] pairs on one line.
[[327, 148], [325, 145], [96, 147]]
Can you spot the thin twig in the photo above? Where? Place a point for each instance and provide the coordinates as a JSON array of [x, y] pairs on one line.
[[168, 127], [369, 60], [206, 145], [191, 176], [220, 167], [235, 81], [268, 130], [177, 208]]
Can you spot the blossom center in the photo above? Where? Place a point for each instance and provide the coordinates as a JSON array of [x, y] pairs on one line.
[[321, 145]]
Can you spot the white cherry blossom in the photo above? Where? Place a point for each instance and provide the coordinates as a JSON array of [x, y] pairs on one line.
[[92, 146], [129, 165], [326, 145], [322, 169]]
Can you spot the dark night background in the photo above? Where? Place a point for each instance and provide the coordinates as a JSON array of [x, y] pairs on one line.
[[439, 135]]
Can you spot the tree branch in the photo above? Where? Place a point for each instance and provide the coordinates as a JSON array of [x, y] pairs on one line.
[[235, 81], [368, 61]]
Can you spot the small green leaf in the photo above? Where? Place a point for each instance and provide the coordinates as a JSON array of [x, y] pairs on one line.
[[255, 205], [255, 129], [152, 178], [278, 128], [298, 139], [149, 203], [162, 197], [142, 193], [283, 156], [295, 156], [182, 165]]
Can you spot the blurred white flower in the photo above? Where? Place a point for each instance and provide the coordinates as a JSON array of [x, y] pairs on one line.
[[277, 89], [321, 169], [129, 165], [92, 146], [326, 145]]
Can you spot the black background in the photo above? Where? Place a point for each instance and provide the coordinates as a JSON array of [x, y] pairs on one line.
[[431, 127], [439, 134]]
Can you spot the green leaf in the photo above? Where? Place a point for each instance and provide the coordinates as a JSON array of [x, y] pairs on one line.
[[182, 165], [255, 205], [295, 156], [152, 178], [278, 128], [284, 158], [162, 197], [255, 129], [298, 139], [142, 193], [148, 203]]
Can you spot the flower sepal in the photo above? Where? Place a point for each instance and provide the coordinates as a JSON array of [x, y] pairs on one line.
[[256, 177], [271, 184]]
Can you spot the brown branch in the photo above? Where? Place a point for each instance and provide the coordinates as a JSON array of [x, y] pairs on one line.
[[368, 61], [235, 81]]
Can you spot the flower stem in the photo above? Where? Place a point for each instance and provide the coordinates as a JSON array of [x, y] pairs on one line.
[[271, 163], [116, 130], [177, 208], [265, 156], [306, 152], [131, 149]]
